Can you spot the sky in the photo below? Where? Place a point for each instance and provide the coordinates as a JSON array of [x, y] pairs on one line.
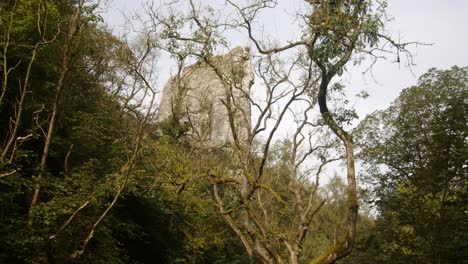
[[442, 23]]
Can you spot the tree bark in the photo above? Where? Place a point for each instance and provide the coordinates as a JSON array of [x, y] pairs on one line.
[[345, 246]]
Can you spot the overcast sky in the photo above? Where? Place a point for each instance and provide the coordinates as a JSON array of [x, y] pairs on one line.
[[441, 22]]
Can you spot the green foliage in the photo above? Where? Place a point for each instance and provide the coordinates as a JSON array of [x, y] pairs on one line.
[[416, 154], [90, 144], [173, 129], [416, 151], [358, 22], [183, 194]]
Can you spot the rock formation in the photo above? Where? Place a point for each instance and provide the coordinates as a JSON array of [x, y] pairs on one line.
[[203, 92]]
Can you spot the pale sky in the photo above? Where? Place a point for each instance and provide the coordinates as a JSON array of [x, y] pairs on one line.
[[442, 22]]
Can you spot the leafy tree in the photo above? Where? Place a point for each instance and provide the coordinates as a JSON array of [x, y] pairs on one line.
[[54, 81], [415, 152]]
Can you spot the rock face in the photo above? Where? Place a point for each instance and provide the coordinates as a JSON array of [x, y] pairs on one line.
[[201, 96]]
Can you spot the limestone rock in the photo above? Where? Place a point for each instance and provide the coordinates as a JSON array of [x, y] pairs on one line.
[[201, 96]]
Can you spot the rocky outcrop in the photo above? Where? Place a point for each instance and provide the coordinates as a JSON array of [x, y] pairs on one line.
[[201, 96]]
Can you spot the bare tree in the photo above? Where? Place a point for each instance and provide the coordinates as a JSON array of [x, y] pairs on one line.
[[295, 75]]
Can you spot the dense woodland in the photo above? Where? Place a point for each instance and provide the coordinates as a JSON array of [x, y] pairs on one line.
[[87, 175]]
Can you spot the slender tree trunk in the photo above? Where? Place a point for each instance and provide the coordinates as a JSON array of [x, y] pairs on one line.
[[19, 114], [73, 30], [6, 71], [343, 247]]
